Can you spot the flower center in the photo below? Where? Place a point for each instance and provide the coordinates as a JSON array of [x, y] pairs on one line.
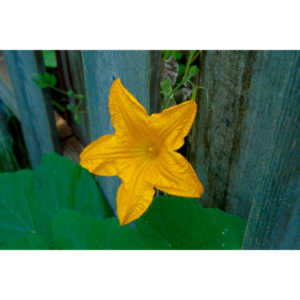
[[152, 151]]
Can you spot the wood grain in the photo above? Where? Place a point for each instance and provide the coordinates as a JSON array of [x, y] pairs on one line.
[[6, 93], [245, 143], [33, 104]]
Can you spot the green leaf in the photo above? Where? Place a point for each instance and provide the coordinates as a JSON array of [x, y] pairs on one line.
[[193, 71], [30, 241], [15, 214], [30, 199], [70, 93], [49, 58], [152, 237], [74, 231], [116, 237], [184, 224], [44, 80], [165, 54], [178, 55], [70, 107], [181, 69], [166, 87], [64, 184], [79, 96]]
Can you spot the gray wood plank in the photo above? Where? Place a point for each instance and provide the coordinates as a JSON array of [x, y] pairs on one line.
[[7, 159], [155, 66], [286, 231], [7, 96], [6, 93], [76, 82], [246, 138], [3, 71], [138, 73], [33, 103], [217, 132]]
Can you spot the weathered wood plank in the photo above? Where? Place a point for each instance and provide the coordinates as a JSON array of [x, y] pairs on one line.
[[135, 70], [75, 81], [33, 104], [6, 93], [7, 96], [3, 71], [216, 135], [7, 159], [246, 138], [286, 231], [155, 66]]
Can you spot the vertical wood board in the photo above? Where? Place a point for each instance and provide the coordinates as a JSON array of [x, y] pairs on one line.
[[33, 104], [76, 74], [286, 232], [7, 96], [100, 69], [6, 93], [246, 138], [7, 158], [218, 129]]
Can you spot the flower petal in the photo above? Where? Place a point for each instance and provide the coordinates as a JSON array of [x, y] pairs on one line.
[[174, 123], [134, 195], [128, 116], [173, 174], [101, 156]]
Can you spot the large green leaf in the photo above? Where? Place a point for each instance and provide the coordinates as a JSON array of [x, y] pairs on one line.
[[29, 199], [15, 215], [60, 183], [59, 206], [184, 224], [74, 231], [28, 242]]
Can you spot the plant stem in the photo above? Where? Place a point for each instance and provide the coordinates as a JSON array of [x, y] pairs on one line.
[[59, 90]]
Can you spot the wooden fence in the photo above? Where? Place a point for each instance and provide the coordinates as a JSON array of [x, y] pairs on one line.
[[244, 144]]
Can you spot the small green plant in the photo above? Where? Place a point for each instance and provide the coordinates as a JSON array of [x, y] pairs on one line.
[[47, 80], [184, 78], [49, 58]]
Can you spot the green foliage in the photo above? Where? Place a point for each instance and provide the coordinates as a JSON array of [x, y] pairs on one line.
[[49, 58], [31, 241], [30, 199], [74, 231], [166, 89], [193, 72], [186, 75], [45, 80], [184, 224], [175, 53], [59, 206]]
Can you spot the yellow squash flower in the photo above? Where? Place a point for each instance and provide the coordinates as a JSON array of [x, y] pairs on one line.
[[142, 153]]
